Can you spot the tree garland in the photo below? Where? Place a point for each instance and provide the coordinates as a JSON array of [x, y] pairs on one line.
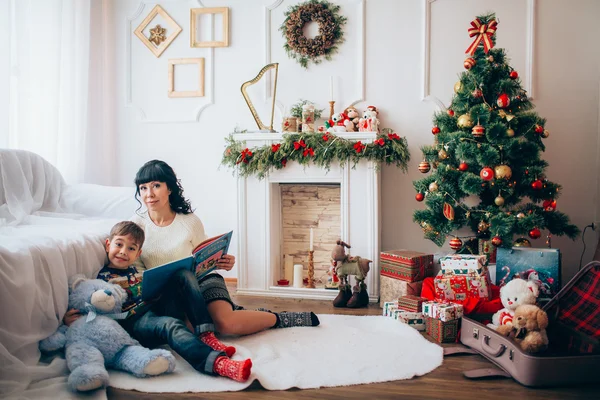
[[303, 49], [320, 149]]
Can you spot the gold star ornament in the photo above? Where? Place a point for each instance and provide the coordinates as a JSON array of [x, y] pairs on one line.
[[157, 35]]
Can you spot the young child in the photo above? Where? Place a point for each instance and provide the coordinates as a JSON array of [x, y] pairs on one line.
[[162, 321]]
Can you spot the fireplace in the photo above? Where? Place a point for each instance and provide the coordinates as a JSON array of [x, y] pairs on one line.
[[350, 199]]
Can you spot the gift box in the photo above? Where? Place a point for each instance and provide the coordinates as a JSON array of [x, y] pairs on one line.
[[463, 264], [289, 124], [411, 303], [440, 331], [450, 287], [539, 265], [386, 307], [487, 249], [391, 289], [413, 319], [406, 265], [448, 312]]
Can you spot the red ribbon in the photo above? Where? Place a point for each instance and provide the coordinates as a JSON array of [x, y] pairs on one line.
[[309, 151], [484, 34], [299, 144], [245, 155]]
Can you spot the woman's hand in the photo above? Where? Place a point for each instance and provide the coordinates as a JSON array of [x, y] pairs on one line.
[[71, 316], [226, 262]]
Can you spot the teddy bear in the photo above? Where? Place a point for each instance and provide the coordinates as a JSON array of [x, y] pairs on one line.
[[339, 122], [353, 117], [528, 328], [369, 121], [96, 340], [515, 293]]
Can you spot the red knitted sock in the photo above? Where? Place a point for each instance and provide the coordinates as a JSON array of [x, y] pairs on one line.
[[236, 370], [211, 340]]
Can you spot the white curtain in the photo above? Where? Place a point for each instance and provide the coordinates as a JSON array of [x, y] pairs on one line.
[[59, 101]]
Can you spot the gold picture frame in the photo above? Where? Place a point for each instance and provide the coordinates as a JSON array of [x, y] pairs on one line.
[[157, 50], [261, 126], [194, 12], [189, 93]]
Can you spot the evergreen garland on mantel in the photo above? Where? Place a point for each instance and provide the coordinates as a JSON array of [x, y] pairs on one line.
[[319, 148]]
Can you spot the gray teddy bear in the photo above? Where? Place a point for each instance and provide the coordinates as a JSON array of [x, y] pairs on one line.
[[96, 341]]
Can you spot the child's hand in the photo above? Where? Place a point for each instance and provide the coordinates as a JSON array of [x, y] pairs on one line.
[[71, 316], [226, 262]]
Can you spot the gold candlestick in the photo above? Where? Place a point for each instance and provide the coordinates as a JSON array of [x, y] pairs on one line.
[[311, 270], [331, 103]]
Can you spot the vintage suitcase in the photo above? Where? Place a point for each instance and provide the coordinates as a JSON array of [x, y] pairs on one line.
[[574, 330]]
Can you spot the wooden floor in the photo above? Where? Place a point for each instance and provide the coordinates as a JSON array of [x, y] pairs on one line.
[[446, 382]]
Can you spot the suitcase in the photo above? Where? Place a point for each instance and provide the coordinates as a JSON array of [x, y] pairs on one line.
[[573, 356]]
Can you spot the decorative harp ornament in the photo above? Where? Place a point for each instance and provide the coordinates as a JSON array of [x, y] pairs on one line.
[[261, 126]]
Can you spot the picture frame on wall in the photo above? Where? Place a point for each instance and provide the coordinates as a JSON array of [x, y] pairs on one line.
[[186, 93], [196, 13], [158, 42]]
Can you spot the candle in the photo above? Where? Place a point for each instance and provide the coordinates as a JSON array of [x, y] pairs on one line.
[[311, 240], [289, 267], [331, 87], [298, 275]]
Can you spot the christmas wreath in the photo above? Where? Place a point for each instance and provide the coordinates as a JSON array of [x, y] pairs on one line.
[[303, 49], [320, 149]]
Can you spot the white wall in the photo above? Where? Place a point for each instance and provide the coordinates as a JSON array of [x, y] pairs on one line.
[[4, 71], [565, 80]]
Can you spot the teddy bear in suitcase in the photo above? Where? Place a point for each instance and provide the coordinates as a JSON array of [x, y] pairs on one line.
[[567, 353]]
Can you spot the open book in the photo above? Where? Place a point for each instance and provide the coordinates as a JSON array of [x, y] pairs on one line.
[[202, 261]]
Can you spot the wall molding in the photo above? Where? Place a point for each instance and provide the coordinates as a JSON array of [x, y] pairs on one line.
[[426, 52], [209, 60]]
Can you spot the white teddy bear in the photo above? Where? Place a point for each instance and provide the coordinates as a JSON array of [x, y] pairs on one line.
[[513, 294]]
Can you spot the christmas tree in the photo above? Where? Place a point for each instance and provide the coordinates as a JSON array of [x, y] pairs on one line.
[[487, 145]]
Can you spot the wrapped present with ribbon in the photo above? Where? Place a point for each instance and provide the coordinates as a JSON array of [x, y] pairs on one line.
[[387, 306], [463, 264], [430, 308], [440, 331], [460, 287], [411, 303], [449, 311], [390, 289], [406, 265], [413, 319]]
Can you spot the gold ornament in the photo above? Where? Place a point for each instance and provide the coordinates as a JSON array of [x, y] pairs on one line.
[[457, 87], [520, 215], [545, 134], [522, 242], [499, 201], [504, 114], [442, 154], [483, 226], [464, 121], [510, 132], [157, 35], [502, 172], [433, 187], [490, 58]]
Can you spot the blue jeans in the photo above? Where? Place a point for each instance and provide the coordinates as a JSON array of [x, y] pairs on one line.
[[164, 323]]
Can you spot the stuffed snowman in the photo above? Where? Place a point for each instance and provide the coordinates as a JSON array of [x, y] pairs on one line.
[[513, 294]]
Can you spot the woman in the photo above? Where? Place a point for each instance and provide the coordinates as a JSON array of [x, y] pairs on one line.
[[173, 231]]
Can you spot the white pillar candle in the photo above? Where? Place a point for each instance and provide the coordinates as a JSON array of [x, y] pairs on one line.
[[311, 240], [298, 275], [289, 268]]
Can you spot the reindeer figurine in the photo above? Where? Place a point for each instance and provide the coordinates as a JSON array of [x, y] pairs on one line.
[[347, 265]]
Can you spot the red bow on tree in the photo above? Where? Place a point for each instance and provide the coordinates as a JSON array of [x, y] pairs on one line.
[[393, 136], [275, 147], [359, 147], [484, 32], [325, 137], [244, 156], [299, 144], [309, 151], [380, 141]]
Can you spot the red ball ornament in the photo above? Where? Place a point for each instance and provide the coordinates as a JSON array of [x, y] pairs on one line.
[[549, 205], [424, 167], [450, 112], [503, 101], [537, 184], [435, 130], [539, 129], [487, 174], [513, 75], [496, 241], [477, 93], [535, 233], [469, 63], [419, 197], [478, 131], [455, 244], [463, 166]]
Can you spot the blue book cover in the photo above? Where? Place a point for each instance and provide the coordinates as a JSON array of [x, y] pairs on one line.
[[539, 265], [202, 261]]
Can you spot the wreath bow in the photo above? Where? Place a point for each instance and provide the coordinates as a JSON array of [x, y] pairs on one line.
[[484, 32]]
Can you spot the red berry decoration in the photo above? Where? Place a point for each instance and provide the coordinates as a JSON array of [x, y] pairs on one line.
[[419, 197], [513, 75], [463, 166], [455, 244], [435, 130], [503, 101], [487, 174], [535, 233], [496, 241], [469, 63], [450, 112], [537, 184], [539, 129], [549, 205]]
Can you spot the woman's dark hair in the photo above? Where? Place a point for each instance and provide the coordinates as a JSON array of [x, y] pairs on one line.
[[160, 171]]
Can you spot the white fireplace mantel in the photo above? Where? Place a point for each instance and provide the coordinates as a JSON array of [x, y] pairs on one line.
[[259, 218]]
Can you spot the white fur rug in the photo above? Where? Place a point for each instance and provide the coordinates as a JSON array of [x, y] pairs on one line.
[[358, 349]]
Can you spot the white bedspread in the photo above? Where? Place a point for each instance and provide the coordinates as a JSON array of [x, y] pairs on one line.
[[48, 232]]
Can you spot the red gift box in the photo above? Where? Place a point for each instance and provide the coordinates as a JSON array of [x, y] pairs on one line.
[[406, 265], [411, 303], [440, 331]]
